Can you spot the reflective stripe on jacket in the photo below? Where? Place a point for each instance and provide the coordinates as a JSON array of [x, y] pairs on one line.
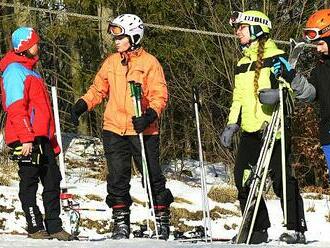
[[245, 105], [111, 82]]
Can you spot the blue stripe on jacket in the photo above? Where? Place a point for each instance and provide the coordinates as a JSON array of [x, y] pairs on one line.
[[13, 81]]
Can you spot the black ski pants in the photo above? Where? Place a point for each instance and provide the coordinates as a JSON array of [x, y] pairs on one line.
[[119, 151], [49, 174], [248, 153]]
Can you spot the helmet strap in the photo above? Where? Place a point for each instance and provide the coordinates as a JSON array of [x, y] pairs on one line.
[[255, 32]]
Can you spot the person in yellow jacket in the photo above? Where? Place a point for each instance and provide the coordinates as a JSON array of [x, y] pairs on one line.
[[120, 140], [254, 97]]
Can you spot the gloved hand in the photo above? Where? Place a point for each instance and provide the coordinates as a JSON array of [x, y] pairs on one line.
[[227, 134], [77, 109], [269, 96], [142, 122], [32, 158], [282, 68], [304, 90]]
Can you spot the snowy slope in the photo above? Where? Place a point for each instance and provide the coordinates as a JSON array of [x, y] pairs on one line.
[[12, 220]]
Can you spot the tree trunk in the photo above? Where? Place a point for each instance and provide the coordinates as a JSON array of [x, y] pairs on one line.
[[105, 38]]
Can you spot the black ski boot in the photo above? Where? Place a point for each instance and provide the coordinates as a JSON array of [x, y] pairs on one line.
[[293, 238], [258, 237], [121, 225], [163, 223]]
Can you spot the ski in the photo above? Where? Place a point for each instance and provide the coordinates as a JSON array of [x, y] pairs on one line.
[[296, 48]]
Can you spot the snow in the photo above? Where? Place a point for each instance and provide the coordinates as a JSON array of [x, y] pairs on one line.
[[187, 188]]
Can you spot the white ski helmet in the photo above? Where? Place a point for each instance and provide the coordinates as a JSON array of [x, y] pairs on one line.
[[129, 25]]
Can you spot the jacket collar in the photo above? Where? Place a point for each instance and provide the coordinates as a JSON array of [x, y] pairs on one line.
[[252, 50], [128, 56], [12, 57]]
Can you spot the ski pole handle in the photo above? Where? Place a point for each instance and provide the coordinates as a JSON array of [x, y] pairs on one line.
[[136, 93], [195, 95]]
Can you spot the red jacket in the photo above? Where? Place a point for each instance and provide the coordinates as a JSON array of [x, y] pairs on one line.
[[25, 99]]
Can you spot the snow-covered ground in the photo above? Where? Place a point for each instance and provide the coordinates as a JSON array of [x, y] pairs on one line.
[[90, 193]]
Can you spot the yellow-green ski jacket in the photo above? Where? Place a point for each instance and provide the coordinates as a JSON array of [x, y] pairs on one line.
[[245, 105]]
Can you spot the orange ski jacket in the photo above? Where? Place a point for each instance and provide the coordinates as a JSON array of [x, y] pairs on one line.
[[112, 82]]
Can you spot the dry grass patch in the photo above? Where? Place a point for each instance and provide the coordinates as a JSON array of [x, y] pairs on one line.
[[316, 196], [2, 223], [223, 194], [234, 226], [8, 172], [180, 215], [18, 214], [217, 213], [316, 189], [93, 197], [101, 226], [311, 207], [4, 209], [327, 217], [137, 201], [182, 200]]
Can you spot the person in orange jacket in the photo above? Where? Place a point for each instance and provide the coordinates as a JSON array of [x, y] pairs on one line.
[[120, 140]]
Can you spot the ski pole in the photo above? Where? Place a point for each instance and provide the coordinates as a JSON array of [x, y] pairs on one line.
[[65, 197], [136, 98], [205, 202], [283, 157], [58, 136]]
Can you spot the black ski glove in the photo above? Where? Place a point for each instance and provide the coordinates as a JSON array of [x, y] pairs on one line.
[[77, 109], [142, 122]]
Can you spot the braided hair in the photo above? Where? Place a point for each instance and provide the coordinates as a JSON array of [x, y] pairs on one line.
[[259, 63]]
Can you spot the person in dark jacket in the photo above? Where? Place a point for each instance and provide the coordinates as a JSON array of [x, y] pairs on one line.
[[317, 31], [29, 131]]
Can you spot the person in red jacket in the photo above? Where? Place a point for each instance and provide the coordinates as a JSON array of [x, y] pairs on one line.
[[120, 140], [30, 132]]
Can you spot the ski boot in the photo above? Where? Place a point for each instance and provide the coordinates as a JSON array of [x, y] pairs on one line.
[[257, 237], [121, 228], [41, 234], [63, 236], [163, 223], [293, 238]]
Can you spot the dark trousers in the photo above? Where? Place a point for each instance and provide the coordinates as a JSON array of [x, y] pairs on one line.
[[119, 151], [49, 174], [248, 153]]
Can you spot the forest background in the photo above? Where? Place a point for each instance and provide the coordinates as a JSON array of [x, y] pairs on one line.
[[73, 48]]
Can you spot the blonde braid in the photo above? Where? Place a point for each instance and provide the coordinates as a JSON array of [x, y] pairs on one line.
[[259, 64]]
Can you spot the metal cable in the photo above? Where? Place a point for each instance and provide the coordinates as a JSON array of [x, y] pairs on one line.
[[150, 25]]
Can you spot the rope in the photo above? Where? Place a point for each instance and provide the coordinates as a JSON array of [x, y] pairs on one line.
[[164, 27]]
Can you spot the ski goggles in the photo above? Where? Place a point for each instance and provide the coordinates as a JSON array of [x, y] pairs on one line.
[[238, 17], [312, 34], [115, 30]]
